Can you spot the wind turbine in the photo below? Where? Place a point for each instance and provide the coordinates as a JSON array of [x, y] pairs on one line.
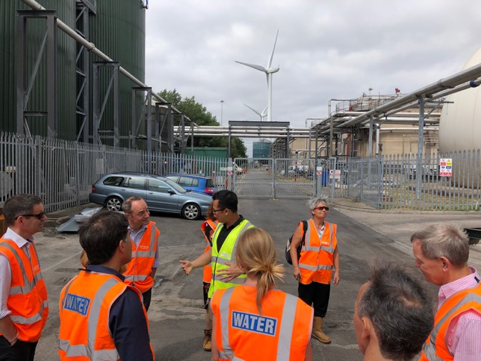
[[262, 115], [269, 70]]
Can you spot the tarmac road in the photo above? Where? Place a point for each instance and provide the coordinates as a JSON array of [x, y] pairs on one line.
[[176, 314]]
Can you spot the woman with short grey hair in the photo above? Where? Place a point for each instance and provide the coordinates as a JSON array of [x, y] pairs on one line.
[[318, 262]]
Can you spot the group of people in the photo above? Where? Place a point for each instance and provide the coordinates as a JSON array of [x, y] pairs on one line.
[[103, 310]]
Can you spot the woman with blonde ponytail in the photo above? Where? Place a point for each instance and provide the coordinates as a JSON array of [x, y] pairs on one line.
[[255, 321]]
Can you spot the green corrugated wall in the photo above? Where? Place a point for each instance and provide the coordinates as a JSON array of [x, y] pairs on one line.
[[66, 78], [118, 30]]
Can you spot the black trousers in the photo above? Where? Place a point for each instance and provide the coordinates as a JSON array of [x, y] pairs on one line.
[[317, 296], [146, 297], [21, 351]]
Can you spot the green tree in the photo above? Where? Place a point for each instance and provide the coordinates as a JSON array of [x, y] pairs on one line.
[[199, 114]]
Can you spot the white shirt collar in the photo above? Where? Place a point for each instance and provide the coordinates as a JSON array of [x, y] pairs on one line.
[[15, 237]]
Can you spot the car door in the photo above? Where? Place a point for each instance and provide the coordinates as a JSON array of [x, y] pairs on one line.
[[188, 183], [161, 197], [133, 186]]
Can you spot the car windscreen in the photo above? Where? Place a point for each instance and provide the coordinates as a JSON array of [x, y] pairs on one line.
[[210, 183], [174, 185]]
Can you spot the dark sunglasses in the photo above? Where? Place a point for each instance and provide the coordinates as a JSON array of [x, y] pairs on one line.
[[38, 215], [322, 208]]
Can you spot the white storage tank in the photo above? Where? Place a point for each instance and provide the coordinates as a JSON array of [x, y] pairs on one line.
[[460, 123]]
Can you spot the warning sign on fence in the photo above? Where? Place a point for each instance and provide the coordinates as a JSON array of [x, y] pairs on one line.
[[336, 173], [446, 167]]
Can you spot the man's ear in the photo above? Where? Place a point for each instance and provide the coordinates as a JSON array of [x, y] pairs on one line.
[[445, 263], [367, 328], [121, 246]]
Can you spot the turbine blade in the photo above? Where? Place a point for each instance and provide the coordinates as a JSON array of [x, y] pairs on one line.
[[264, 112], [272, 54], [257, 67], [255, 111]]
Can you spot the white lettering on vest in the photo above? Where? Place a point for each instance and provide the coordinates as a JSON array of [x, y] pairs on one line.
[[77, 304], [254, 323]]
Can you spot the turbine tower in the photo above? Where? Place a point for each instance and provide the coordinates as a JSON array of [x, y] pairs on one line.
[[269, 70], [261, 115]]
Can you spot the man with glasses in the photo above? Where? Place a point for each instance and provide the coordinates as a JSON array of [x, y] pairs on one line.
[[145, 252], [225, 272], [23, 295]]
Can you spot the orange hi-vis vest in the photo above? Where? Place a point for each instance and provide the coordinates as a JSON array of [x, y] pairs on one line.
[[27, 300], [85, 304], [282, 333], [143, 258], [435, 348], [317, 255], [207, 277]]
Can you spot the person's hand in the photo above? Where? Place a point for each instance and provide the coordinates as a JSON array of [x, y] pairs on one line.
[[228, 274], [336, 279], [186, 266], [297, 273]]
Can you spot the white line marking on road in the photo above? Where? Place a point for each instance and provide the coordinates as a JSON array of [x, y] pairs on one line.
[[59, 263]]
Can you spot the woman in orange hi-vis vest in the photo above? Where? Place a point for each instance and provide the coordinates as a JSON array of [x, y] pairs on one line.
[[208, 229], [318, 259], [255, 321]]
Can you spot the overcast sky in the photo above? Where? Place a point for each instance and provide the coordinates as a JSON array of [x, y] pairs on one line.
[[325, 49]]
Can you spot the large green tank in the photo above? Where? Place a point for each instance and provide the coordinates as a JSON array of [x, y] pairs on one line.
[[118, 30], [66, 77]]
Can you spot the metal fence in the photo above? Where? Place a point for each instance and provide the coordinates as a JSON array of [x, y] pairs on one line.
[[394, 182], [62, 172]]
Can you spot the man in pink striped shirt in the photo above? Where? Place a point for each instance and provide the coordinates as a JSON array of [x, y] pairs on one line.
[[441, 252]]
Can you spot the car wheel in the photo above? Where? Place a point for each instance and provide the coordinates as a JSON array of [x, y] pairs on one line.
[[191, 211], [114, 204]]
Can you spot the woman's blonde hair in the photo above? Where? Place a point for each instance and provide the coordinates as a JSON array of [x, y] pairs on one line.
[[256, 255]]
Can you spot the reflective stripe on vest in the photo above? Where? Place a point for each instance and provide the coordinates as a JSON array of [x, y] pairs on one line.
[[93, 318], [133, 275], [33, 291], [285, 333], [219, 258], [429, 348], [28, 286], [228, 353], [307, 247]]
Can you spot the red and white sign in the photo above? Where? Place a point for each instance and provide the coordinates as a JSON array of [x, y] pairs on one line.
[[445, 167], [337, 174], [229, 173]]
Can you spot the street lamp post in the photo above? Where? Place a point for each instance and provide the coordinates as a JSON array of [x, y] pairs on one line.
[[221, 111]]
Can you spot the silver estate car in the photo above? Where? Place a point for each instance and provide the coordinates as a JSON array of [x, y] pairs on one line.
[[161, 194]]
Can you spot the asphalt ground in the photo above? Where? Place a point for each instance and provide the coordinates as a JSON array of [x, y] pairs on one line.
[[176, 314]]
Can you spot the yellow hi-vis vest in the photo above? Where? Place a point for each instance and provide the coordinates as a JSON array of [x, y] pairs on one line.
[[226, 254]]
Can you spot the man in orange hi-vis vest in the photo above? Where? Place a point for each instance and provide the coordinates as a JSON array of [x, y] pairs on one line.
[[101, 317], [141, 269], [441, 252], [393, 314], [23, 295]]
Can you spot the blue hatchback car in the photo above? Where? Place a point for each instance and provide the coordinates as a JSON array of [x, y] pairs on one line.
[[204, 185]]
